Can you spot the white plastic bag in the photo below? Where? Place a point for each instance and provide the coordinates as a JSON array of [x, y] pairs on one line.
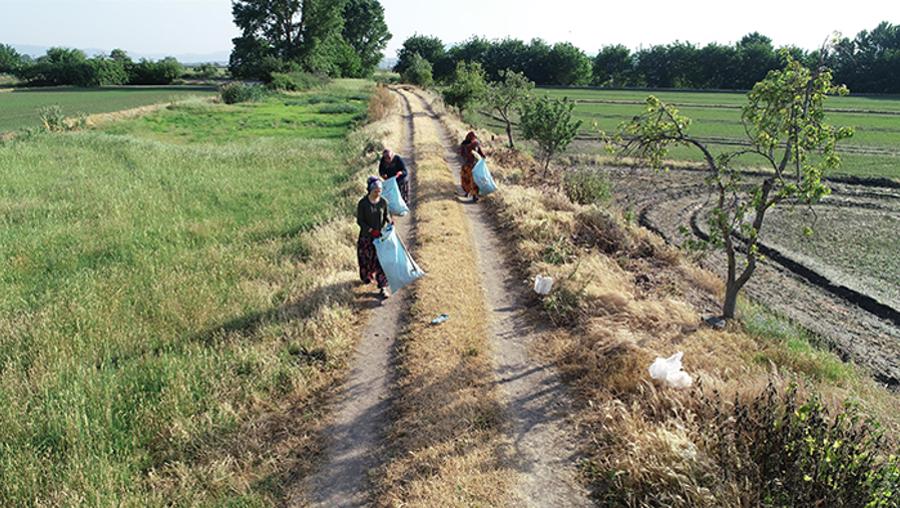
[[669, 371], [543, 285]]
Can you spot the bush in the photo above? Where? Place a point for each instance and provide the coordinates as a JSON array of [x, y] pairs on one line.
[[54, 120], [206, 71], [795, 453], [418, 72], [296, 81], [163, 72], [587, 187], [233, 93], [108, 72]]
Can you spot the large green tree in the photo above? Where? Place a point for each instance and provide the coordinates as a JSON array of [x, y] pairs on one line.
[[287, 34], [612, 66], [366, 32], [784, 119], [429, 48]]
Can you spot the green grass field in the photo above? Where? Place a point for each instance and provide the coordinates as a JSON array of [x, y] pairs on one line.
[[874, 150], [134, 259], [19, 108]]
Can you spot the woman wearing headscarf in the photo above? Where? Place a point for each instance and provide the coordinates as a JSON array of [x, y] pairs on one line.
[[392, 165], [469, 147], [371, 215]]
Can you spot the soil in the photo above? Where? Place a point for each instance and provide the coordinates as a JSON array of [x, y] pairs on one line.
[[856, 316], [355, 437]]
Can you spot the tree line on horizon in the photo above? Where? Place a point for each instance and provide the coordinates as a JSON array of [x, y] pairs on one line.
[[72, 67], [868, 63]]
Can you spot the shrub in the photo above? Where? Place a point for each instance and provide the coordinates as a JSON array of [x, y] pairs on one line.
[[419, 72], [296, 81], [163, 72], [206, 71], [52, 118], [797, 454], [233, 93], [107, 72], [587, 187]]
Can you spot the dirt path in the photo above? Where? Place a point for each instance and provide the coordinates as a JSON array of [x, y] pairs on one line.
[[534, 396], [361, 414]]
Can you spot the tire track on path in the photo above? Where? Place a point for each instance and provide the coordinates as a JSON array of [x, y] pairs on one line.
[[535, 398], [354, 439]]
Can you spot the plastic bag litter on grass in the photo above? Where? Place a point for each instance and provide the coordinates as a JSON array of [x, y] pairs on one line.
[[543, 285], [395, 260], [669, 371], [483, 178], [391, 192]]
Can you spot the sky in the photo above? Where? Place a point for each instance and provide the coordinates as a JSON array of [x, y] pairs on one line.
[[203, 27]]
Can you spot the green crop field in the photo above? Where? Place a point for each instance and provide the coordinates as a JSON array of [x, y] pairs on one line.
[[133, 256], [19, 108], [874, 150]]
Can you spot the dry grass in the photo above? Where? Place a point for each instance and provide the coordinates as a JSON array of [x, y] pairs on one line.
[[622, 298], [382, 103], [320, 322], [445, 437]]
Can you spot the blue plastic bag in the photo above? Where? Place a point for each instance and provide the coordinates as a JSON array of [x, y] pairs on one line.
[[390, 190], [396, 262], [483, 178]]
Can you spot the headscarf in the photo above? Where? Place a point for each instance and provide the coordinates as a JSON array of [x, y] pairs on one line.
[[373, 182]]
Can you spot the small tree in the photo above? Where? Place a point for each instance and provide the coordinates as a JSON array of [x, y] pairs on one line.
[[468, 86], [549, 123], [785, 122], [418, 72], [506, 95]]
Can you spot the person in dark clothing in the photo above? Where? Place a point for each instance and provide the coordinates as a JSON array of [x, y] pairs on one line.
[[372, 216], [392, 165], [467, 150]]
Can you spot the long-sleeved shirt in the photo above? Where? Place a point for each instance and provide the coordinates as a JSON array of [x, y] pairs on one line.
[[390, 169], [468, 150], [371, 216]]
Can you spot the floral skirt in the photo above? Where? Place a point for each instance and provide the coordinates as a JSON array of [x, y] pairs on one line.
[[369, 267], [467, 180]]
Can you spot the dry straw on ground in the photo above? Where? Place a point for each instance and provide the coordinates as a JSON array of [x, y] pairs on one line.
[[622, 298], [446, 444]]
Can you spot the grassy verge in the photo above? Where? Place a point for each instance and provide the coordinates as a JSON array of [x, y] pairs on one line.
[[766, 403], [173, 310], [445, 439]]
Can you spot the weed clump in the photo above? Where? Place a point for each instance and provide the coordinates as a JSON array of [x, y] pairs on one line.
[[296, 81], [586, 186], [234, 93]]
